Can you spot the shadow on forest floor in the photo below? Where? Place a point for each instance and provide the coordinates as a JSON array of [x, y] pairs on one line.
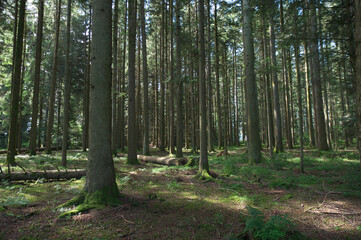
[[161, 202]]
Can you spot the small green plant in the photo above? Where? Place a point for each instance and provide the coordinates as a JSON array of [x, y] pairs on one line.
[[278, 227], [18, 200]]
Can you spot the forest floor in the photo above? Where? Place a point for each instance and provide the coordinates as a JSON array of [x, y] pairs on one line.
[[161, 202]]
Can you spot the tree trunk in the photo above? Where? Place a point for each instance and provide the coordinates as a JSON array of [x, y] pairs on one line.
[[253, 139], [311, 132], [203, 171], [66, 90], [145, 83], [49, 175], [50, 122], [316, 82], [276, 102], [100, 186], [115, 79], [219, 109], [35, 102], [179, 82], [15, 88], [358, 71], [162, 84], [300, 110], [132, 131]]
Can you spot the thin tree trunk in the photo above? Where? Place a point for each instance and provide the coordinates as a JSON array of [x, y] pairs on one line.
[[358, 71], [15, 88], [162, 87], [203, 163], [132, 131], [35, 101], [122, 111], [276, 103], [179, 82], [145, 83], [66, 90], [50, 122], [300, 111], [316, 82], [311, 132], [219, 109], [115, 79]]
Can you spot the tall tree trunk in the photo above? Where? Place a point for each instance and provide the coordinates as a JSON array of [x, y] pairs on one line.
[[132, 131], [122, 111], [203, 163], [286, 95], [276, 102], [219, 109], [100, 186], [145, 83], [209, 80], [270, 128], [66, 90], [253, 138], [50, 122], [311, 132], [35, 102], [358, 71], [299, 96], [162, 84], [115, 79], [171, 80], [179, 82], [15, 88], [316, 82]]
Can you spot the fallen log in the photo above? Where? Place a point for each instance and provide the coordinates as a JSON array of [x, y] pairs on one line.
[[26, 150], [170, 161], [49, 174]]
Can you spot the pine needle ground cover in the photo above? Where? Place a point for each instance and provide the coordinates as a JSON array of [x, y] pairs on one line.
[[272, 200]]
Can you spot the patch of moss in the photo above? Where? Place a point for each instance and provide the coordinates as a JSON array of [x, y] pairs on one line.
[[204, 175]]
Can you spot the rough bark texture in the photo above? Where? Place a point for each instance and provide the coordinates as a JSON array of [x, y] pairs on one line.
[[50, 122], [276, 102], [132, 131], [219, 109], [100, 183], [46, 174], [179, 85], [358, 71], [35, 102], [15, 87], [253, 139], [321, 142], [203, 163], [169, 161], [115, 78], [66, 90], [145, 83]]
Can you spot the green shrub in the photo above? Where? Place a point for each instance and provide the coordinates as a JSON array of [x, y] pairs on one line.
[[278, 227]]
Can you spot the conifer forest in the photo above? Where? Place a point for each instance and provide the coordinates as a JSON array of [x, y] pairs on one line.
[[180, 119]]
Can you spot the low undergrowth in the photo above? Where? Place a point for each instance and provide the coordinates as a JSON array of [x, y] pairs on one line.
[[272, 200]]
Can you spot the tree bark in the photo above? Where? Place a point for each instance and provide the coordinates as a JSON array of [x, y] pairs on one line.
[[219, 109], [145, 83], [358, 71], [115, 79], [253, 138], [276, 102], [15, 88], [35, 101], [132, 131], [203, 163], [49, 175], [100, 183], [50, 122], [179, 81], [66, 90], [316, 82]]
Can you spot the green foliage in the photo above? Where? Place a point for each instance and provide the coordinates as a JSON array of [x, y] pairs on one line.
[[19, 200], [277, 227], [283, 183]]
